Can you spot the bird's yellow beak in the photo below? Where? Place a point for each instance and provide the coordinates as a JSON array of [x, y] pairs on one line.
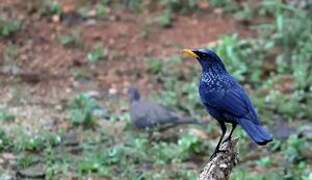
[[189, 53]]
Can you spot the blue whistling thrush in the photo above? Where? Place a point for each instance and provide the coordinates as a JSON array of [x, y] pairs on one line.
[[225, 99]]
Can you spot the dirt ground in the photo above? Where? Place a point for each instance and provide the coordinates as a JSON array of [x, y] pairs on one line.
[[45, 76]]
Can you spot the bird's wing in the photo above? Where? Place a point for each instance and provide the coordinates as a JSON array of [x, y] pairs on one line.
[[151, 113], [233, 102], [162, 114]]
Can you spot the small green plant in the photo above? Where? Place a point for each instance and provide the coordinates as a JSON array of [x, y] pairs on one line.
[[97, 54], [230, 50], [189, 144], [245, 14], [155, 65], [25, 141], [71, 39], [81, 110], [227, 5], [134, 5], [25, 161], [5, 141], [294, 148], [9, 27], [50, 7], [165, 19], [30, 143], [265, 161], [101, 10], [6, 116], [180, 5]]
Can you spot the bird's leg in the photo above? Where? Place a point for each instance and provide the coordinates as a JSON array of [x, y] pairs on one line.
[[217, 149], [230, 135], [149, 134]]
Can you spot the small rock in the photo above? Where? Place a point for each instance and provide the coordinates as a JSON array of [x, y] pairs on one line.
[[112, 91], [90, 22], [94, 94], [8, 156], [306, 132], [101, 113], [71, 139], [56, 18], [218, 11], [6, 177], [36, 171], [11, 69], [72, 18], [58, 107], [92, 13]]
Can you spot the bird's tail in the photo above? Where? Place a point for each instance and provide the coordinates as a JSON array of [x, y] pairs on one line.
[[256, 132]]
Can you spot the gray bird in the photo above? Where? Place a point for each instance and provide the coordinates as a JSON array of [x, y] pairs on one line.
[[148, 115]]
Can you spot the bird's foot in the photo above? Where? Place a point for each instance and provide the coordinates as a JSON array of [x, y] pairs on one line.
[[213, 156], [216, 152], [227, 139]]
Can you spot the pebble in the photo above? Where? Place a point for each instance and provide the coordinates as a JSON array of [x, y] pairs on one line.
[[112, 91], [8, 156], [90, 22], [94, 94], [56, 18], [6, 177]]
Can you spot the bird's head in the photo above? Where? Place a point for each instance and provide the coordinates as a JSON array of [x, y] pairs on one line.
[[206, 57], [133, 94]]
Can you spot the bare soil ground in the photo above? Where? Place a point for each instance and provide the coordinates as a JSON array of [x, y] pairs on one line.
[[46, 69]]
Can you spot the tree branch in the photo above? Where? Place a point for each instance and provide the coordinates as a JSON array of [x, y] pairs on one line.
[[220, 167]]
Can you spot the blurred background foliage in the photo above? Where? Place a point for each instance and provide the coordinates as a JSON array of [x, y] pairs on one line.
[[275, 66]]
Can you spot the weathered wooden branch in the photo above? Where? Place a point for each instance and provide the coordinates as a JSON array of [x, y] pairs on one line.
[[220, 167]]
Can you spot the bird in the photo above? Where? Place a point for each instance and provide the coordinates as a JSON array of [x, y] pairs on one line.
[[150, 115], [225, 99]]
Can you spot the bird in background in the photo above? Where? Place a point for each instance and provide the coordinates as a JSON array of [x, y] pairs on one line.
[[148, 115], [225, 99]]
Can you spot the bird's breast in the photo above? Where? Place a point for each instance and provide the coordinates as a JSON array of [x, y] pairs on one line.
[[206, 91]]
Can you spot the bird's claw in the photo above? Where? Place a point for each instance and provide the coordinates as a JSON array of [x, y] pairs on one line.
[[226, 140], [215, 154]]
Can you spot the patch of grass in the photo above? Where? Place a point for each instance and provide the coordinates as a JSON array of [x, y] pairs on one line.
[[155, 65], [5, 141], [102, 10], [71, 39], [9, 27], [81, 111], [165, 19], [50, 7], [35, 142], [98, 53], [227, 5], [180, 6], [6, 116], [25, 161]]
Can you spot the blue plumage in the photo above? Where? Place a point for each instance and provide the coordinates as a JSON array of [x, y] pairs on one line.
[[225, 99]]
